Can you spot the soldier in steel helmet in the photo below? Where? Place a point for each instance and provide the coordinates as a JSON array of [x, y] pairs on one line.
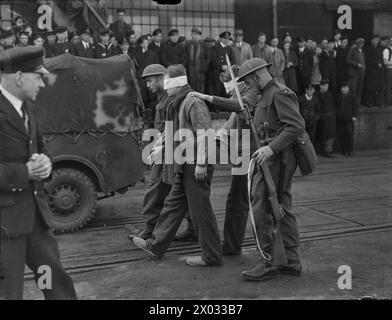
[[277, 117], [160, 179]]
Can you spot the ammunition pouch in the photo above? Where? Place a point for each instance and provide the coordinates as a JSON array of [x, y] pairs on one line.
[[305, 154]]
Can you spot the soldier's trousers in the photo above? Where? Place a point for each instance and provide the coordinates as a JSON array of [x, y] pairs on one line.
[[237, 210], [188, 194], [35, 250], [154, 198], [282, 169]]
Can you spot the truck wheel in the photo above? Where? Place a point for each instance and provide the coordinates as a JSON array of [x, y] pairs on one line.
[[72, 199]]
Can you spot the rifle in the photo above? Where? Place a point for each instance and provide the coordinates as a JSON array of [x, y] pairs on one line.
[[279, 251], [146, 114]]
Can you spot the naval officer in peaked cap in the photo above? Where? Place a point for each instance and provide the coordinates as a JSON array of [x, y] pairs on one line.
[[25, 165]]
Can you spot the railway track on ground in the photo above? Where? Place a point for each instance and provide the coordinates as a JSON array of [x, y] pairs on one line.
[[111, 259], [121, 222], [98, 260]]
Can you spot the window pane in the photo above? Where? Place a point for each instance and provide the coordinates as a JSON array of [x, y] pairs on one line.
[[230, 20], [206, 19], [188, 5], [125, 5], [214, 5], [146, 29], [154, 20], [197, 20], [137, 29], [215, 19], [230, 5], [198, 5], [145, 18], [136, 17]]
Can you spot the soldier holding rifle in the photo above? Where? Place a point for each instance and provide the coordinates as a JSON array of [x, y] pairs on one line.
[[277, 120]]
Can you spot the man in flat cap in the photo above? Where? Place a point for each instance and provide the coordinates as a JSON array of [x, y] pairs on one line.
[[24, 167], [242, 50], [219, 63], [85, 49], [199, 58], [356, 62], [172, 51]]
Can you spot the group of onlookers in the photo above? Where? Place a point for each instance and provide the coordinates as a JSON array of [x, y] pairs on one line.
[[346, 69]]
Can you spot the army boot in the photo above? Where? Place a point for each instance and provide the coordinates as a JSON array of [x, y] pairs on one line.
[[292, 268], [260, 272]]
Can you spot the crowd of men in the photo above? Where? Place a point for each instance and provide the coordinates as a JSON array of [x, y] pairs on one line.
[[334, 68]]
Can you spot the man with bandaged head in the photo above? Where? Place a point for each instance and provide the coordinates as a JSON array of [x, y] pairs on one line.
[[192, 186]]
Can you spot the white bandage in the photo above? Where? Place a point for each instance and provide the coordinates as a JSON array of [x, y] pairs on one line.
[[170, 83], [229, 86]]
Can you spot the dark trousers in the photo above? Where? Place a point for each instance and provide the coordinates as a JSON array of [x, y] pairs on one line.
[[237, 210], [303, 81], [35, 250], [154, 198], [356, 83], [388, 87], [282, 169], [346, 136], [187, 193], [311, 131]]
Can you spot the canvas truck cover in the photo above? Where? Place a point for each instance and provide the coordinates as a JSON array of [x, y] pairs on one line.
[[86, 95]]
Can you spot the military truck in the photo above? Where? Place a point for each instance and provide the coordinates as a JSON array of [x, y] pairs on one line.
[[90, 115]]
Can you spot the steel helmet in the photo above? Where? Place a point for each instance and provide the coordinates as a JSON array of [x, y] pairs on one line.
[[252, 65], [154, 70]]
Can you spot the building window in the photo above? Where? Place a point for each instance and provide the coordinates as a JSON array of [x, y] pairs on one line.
[[211, 16], [7, 16]]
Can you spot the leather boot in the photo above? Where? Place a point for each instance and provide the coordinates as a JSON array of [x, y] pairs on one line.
[[260, 272]]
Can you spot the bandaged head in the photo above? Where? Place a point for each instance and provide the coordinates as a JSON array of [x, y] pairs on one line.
[[175, 77]]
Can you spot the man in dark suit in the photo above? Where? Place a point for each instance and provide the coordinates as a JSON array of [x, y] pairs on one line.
[[356, 62], [105, 48], [309, 108], [305, 65], [85, 49], [198, 61], [346, 116], [24, 166], [156, 43], [120, 28], [173, 52], [327, 63], [341, 61], [219, 63]]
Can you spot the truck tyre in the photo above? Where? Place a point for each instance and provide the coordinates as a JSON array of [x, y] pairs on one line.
[[72, 199]]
